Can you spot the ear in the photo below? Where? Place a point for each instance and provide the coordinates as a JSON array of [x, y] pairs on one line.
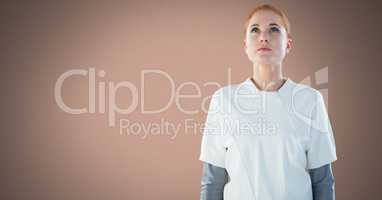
[[245, 46], [289, 44]]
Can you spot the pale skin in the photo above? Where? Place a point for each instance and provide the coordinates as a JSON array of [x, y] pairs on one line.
[[266, 45]]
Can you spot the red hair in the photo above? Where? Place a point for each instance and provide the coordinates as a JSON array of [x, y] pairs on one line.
[[269, 7]]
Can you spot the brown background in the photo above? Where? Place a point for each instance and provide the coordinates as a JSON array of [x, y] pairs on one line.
[[50, 154]]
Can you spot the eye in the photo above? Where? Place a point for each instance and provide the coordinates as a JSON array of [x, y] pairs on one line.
[[275, 29], [255, 29]]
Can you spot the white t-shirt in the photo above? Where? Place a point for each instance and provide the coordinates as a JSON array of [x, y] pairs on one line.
[[267, 140]]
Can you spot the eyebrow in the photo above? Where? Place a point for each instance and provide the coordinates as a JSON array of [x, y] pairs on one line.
[[271, 24]]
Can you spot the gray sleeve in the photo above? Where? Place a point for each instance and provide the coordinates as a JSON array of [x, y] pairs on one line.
[[322, 183], [213, 180]]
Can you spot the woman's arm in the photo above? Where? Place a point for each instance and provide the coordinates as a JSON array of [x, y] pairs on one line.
[[213, 180], [322, 183]]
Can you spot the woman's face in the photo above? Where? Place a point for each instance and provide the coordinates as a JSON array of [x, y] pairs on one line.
[[267, 40]]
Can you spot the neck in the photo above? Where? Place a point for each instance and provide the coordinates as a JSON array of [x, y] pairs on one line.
[[267, 77]]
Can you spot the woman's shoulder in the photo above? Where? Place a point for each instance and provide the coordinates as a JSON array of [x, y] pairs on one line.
[[227, 89], [303, 91], [304, 99]]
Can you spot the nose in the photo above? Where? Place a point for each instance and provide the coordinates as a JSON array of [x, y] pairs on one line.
[[263, 37]]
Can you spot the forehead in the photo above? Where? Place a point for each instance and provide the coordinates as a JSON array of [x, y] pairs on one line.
[[265, 17]]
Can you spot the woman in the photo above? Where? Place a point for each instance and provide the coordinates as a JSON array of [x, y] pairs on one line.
[[267, 138]]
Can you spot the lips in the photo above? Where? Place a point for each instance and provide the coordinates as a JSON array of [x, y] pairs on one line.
[[264, 49]]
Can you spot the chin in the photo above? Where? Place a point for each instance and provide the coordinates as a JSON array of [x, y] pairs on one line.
[[264, 62]]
